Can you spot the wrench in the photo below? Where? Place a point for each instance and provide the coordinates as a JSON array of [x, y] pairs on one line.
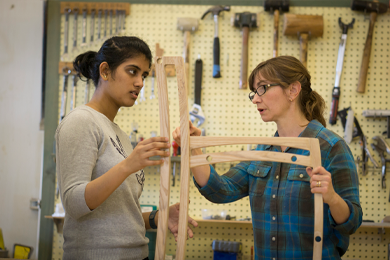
[[92, 24], [123, 12], [84, 28], [117, 21], [75, 14], [105, 23], [110, 23], [99, 24], [66, 34], [66, 72], [86, 95], [74, 85]]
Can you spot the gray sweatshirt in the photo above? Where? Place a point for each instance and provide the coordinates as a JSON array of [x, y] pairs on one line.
[[88, 144]]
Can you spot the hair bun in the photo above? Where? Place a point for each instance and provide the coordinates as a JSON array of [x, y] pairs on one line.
[[84, 62]]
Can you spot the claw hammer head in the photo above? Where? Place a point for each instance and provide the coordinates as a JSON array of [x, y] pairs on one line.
[[216, 10]]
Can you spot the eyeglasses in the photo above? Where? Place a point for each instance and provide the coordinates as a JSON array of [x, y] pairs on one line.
[[261, 90]]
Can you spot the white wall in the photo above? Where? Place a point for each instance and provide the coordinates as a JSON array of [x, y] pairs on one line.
[[21, 141]]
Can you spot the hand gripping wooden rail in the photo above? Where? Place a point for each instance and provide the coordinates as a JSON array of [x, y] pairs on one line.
[[187, 161]]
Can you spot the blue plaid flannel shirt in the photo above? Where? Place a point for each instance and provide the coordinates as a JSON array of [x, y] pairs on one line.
[[281, 201]]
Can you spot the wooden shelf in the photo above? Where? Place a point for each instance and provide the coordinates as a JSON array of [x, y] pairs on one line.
[[374, 225]]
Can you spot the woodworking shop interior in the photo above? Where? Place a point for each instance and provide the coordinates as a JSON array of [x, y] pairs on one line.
[[347, 56]]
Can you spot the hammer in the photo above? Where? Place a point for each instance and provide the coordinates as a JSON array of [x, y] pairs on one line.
[[245, 21], [216, 10], [304, 26], [276, 6], [187, 25], [374, 8]]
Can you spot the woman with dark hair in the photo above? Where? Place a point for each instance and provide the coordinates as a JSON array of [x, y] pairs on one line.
[[280, 194], [100, 176]]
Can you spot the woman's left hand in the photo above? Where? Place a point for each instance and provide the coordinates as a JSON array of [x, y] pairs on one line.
[[321, 182], [173, 221]]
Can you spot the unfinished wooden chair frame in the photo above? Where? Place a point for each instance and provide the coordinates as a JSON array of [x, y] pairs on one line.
[[187, 161]]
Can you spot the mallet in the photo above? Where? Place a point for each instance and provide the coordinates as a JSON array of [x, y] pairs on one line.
[[276, 6], [374, 8], [245, 21], [305, 27]]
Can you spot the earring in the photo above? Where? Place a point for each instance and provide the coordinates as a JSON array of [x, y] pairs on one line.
[[290, 99]]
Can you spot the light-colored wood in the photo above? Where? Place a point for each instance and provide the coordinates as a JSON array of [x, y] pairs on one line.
[[315, 156], [163, 101], [204, 159], [160, 63], [209, 141], [185, 157], [187, 143], [298, 23]]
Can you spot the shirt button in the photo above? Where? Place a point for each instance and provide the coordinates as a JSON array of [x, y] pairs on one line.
[[273, 218], [277, 176], [301, 175], [273, 238], [274, 196]]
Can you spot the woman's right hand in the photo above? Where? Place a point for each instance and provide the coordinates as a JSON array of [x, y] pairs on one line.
[[193, 132], [140, 157]]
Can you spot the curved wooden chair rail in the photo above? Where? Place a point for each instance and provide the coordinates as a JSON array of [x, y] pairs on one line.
[[188, 161]]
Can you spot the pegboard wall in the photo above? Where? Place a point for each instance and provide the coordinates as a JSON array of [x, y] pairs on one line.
[[229, 113]]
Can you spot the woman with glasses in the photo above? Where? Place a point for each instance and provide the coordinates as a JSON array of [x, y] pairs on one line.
[[280, 194]]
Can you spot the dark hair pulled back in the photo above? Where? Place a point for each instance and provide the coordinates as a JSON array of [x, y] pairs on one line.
[[114, 51], [286, 70]]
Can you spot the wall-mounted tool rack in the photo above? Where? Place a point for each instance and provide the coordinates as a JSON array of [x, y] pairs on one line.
[[71, 6]]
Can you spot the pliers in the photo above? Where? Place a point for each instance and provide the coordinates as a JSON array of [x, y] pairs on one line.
[[382, 147]]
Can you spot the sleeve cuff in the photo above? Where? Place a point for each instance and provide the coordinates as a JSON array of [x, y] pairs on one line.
[[75, 205], [348, 225]]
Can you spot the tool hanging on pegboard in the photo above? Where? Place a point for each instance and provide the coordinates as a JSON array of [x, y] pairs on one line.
[[339, 68], [275, 7], [306, 27], [120, 10], [216, 10], [65, 70], [374, 8], [356, 131], [245, 21]]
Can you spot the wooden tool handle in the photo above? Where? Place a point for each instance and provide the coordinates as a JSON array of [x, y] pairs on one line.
[[276, 33], [186, 50], [244, 58], [303, 39], [361, 88]]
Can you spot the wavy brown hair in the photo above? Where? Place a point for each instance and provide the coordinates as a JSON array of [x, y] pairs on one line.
[[286, 70]]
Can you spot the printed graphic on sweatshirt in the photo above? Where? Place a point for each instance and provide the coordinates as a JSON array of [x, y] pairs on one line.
[[141, 178], [119, 147]]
